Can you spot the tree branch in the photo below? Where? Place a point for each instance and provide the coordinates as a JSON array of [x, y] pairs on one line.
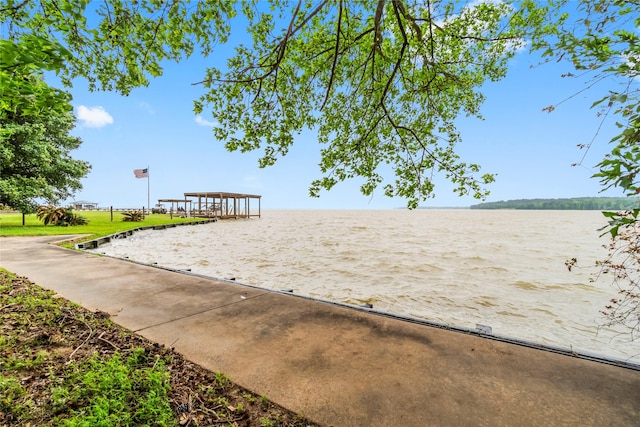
[[409, 18], [397, 129], [280, 48], [400, 55], [377, 41], [14, 9], [335, 57], [429, 153], [431, 40]]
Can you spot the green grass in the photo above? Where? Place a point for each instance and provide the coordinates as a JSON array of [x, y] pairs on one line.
[[116, 391], [99, 225]]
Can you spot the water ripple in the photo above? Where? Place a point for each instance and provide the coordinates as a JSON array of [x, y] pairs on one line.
[[459, 267]]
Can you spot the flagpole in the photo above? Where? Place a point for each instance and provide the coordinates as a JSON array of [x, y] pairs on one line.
[[148, 191]]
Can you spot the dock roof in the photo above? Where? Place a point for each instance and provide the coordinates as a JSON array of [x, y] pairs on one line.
[[222, 194]]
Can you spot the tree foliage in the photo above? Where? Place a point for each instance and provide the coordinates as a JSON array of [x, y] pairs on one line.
[[24, 92], [117, 44], [118, 48], [35, 159], [622, 267], [382, 82], [35, 121]]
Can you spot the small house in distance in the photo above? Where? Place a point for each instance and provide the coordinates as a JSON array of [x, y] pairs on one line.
[[83, 205], [223, 205]]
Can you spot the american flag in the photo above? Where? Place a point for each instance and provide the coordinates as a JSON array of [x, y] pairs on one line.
[[141, 173]]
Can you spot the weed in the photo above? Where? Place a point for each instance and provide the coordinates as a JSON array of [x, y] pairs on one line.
[[221, 400], [6, 342], [266, 422], [12, 395], [10, 389], [222, 380], [60, 396], [114, 391], [17, 361], [250, 397]]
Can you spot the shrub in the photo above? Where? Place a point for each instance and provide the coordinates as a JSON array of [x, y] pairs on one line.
[[50, 214], [73, 219], [63, 217], [132, 216]]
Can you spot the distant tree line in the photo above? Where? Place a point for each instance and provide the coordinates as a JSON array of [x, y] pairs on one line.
[[578, 203]]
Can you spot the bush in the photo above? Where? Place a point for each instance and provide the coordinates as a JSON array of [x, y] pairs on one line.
[[73, 219], [63, 217], [132, 216]]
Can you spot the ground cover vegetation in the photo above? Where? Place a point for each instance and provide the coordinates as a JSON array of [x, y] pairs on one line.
[[63, 365]]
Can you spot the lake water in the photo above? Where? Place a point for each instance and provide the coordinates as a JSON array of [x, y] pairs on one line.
[[500, 268]]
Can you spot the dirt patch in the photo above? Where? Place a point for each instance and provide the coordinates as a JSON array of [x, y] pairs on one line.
[[45, 338]]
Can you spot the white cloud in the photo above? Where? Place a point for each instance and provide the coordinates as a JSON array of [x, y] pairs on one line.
[[203, 122], [94, 117]]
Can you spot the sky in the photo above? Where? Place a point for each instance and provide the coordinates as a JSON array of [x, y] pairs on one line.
[[530, 150]]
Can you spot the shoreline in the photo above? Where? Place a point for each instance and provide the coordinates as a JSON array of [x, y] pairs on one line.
[[482, 331], [516, 282]]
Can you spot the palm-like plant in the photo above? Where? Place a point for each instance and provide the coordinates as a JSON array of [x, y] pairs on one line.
[[59, 216], [72, 219], [51, 214], [132, 216]]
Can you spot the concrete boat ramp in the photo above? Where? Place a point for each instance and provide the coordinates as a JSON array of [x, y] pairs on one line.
[[336, 365]]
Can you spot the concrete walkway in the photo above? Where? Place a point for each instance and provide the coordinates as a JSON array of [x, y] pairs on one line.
[[336, 365]]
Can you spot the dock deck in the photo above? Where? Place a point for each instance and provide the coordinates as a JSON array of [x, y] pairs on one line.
[[223, 205], [214, 205]]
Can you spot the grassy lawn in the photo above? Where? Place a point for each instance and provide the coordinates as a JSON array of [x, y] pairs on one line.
[[100, 224]]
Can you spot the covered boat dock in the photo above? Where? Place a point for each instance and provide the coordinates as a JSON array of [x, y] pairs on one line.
[[177, 202], [223, 205]]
